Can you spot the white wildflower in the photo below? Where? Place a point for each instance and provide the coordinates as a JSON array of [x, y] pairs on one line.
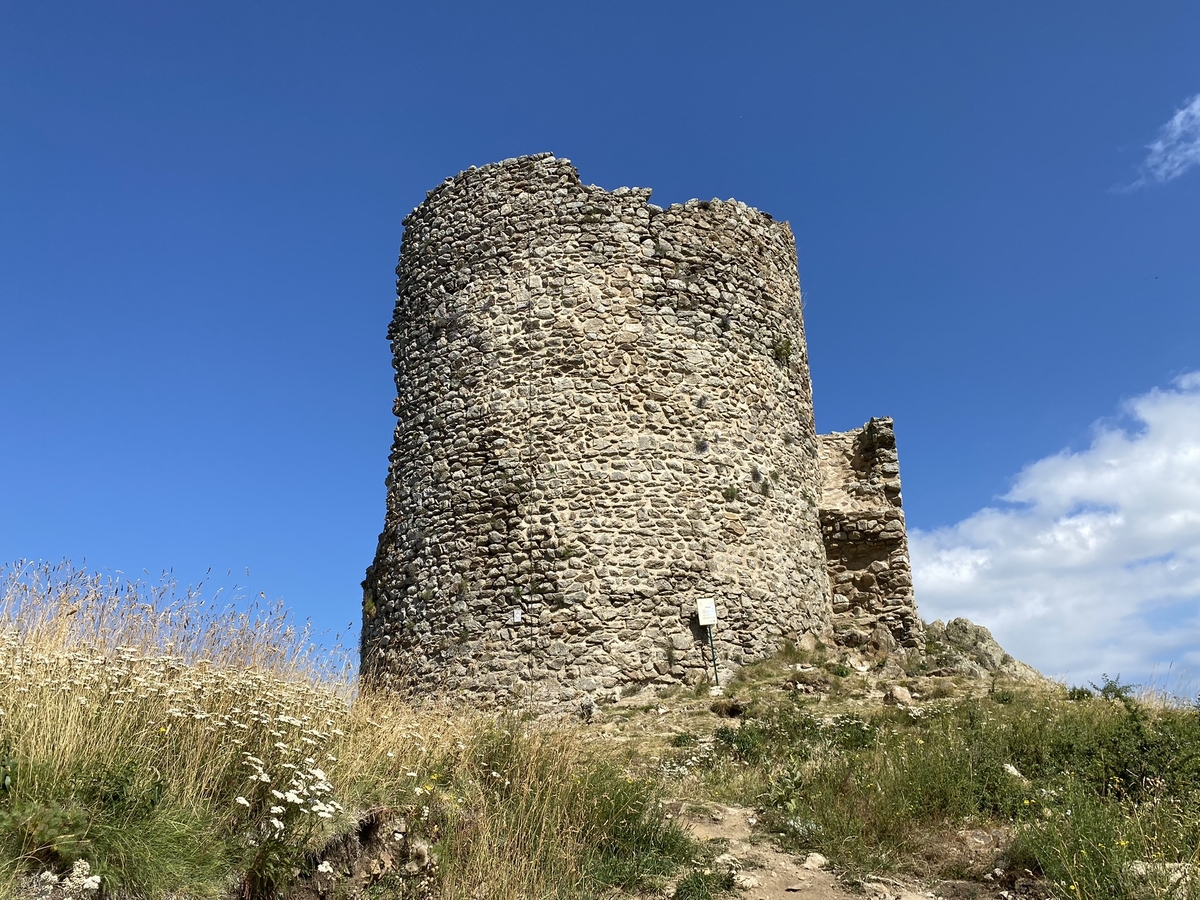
[[325, 868], [242, 801]]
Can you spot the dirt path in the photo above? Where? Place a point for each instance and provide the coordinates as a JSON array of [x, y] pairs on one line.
[[766, 873]]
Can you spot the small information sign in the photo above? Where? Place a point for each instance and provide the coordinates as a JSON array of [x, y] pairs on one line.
[[706, 611]]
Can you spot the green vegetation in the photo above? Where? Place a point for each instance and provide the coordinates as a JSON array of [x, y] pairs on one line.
[[154, 746], [782, 351], [1097, 794], [704, 885], [171, 747]]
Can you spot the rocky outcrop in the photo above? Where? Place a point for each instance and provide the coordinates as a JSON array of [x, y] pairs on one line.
[[961, 647], [381, 850]]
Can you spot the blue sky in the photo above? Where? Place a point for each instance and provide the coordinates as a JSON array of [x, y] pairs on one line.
[[997, 212]]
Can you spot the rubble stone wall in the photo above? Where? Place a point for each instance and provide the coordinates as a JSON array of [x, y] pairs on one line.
[[866, 543], [604, 413]]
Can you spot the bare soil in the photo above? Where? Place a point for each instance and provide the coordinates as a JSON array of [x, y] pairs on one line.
[[765, 872]]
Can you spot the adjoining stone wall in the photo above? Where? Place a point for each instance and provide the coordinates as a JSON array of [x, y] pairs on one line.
[[866, 543], [604, 414]]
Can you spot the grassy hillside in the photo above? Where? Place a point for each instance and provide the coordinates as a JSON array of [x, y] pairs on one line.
[[154, 746], [1083, 793], [177, 748]]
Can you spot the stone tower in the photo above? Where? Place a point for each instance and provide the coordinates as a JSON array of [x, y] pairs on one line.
[[866, 542], [604, 415]]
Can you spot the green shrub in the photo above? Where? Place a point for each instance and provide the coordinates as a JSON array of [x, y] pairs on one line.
[[49, 832], [1089, 785], [747, 743], [782, 350]]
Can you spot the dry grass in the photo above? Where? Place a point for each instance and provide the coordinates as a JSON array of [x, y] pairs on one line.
[[185, 749], [179, 747]]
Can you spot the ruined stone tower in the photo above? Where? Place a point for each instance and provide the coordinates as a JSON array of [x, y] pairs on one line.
[[604, 414]]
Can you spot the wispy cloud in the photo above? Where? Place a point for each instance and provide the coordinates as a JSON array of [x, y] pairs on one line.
[[1093, 563], [1175, 150]]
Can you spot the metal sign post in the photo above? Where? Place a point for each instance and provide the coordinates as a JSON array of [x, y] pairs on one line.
[[706, 616]]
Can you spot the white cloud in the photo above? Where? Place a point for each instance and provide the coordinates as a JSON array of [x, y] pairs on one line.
[[1092, 564], [1176, 149]]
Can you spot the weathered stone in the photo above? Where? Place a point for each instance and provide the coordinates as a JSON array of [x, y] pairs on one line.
[[866, 544], [964, 648], [604, 415], [809, 679], [898, 695]]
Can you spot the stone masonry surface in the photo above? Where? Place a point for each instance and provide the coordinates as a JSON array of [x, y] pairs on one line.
[[866, 542], [604, 414]]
